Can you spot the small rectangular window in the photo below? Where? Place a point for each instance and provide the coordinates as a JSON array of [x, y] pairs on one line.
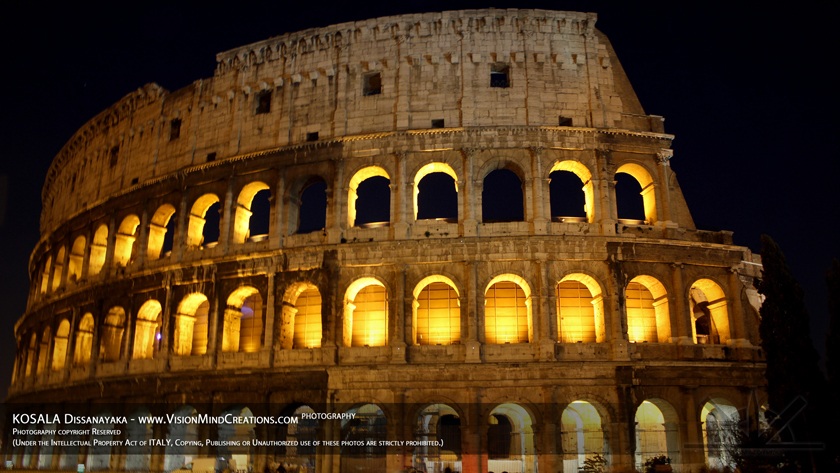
[[565, 121], [438, 123], [313, 136], [174, 129], [263, 102], [135, 180], [499, 75], [211, 157], [372, 84], [115, 153]]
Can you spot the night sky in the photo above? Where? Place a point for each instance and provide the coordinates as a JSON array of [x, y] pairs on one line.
[[750, 93]]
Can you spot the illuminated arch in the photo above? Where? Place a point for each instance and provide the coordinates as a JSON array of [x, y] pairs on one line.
[[300, 437], [507, 310], [657, 431], [113, 327], [58, 268], [503, 200], [366, 314], [158, 229], [31, 355], [709, 312], [243, 321], [437, 422], [580, 309], [124, 241], [582, 434], [307, 205], [720, 419], [188, 431], [138, 454], [60, 345], [197, 219], [642, 176], [302, 308], [364, 431], [191, 325], [582, 172], [84, 341], [436, 311], [147, 331], [436, 167], [353, 187], [44, 352], [242, 214], [510, 438], [76, 260], [97, 250], [648, 316], [45, 275]]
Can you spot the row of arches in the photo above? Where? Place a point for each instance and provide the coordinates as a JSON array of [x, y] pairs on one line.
[[436, 196], [509, 438], [436, 318]]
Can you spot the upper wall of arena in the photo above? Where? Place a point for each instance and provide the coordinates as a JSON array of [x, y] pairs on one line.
[[321, 85]]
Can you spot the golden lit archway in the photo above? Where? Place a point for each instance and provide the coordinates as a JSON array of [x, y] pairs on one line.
[[353, 186], [436, 311], [580, 309], [507, 310], [582, 172], [198, 213], [147, 329], [302, 308], [657, 431], [113, 327], [242, 214], [366, 314], [243, 322], [648, 193], [98, 249], [124, 241], [582, 434], [58, 268], [61, 345], [191, 325], [76, 260], [721, 434], [45, 275], [709, 312], [425, 171], [510, 439], [44, 352], [84, 341], [157, 230], [648, 316]]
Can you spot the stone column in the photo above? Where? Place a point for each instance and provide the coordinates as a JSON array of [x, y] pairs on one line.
[[663, 158], [738, 334], [681, 317]]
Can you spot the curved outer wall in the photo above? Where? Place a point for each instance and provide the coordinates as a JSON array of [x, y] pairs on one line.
[[113, 309]]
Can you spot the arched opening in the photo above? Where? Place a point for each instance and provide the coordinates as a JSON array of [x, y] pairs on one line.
[[304, 311], [571, 192], [161, 231], [203, 227], [45, 275], [147, 331], [709, 313], [301, 438], [113, 327], [84, 341], [76, 260], [507, 310], [124, 242], [369, 198], [178, 455], [502, 197], [251, 216], [32, 355], [437, 312], [635, 195], [582, 435], [57, 270], [366, 314], [436, 193], [243, 324], [510, 440], [312, 213], [237, 436], [99, 455], [44, 352], [97, 250], [60, 345], [434, 423], [657, 431], [721, 434], [191, 325], [362, 434], [580, 310], [648, 317]]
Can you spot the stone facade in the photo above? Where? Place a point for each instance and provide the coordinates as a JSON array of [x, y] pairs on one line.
[[535, 342]]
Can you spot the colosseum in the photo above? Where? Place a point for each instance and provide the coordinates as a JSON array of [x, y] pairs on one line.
[[430, 242]]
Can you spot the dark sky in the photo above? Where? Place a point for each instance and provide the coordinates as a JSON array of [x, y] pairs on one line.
[[750, 94]]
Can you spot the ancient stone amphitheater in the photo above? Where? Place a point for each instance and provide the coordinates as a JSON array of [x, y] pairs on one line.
[[417, 220]]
